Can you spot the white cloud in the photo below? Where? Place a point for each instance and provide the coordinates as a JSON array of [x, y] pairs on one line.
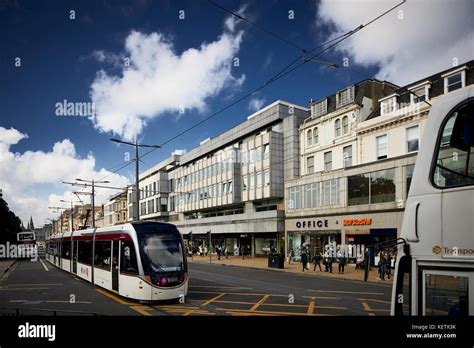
[[159, 80], [179, 152], [31, 181], [426, 40], [256, 104], [11, 136]]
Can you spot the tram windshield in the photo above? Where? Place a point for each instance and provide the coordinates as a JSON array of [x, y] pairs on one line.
[[161, 248]]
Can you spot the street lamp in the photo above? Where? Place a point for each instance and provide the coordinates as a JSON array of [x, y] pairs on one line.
[[137, 158], [93, 194]]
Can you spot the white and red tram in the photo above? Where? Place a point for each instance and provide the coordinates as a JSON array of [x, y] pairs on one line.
[[140, 260]]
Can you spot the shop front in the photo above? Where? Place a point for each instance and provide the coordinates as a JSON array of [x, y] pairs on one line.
[[354, 232]]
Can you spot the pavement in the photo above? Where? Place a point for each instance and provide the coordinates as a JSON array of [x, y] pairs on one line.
[[41, 288], [350, 273]]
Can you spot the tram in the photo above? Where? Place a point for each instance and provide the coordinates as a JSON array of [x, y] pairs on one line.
[[138, 260], [434, 272]]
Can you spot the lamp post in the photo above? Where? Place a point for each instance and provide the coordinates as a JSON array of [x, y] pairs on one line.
[[92, 182], [137, 159]]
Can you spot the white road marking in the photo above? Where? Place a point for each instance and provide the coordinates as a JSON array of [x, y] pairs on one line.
[[349, 292], [50, 301], [16, 289], [35, 284], [46, 268]]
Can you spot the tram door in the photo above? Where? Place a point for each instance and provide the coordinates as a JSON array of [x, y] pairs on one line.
[[115, 265], [74, 256]]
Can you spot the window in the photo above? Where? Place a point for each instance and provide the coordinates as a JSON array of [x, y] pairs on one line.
[[230, 187], [84, 254], [358, 187], [66, 249], [266, 177], [320, 108], [382, 186], [413, 136], [419, 94], [455, 160], [310, 164], [345, 96], [103, 253], [259, 179], [151, 206], [337, 128], [326, 192], [164, 204], [128, 258], [252, 156], [258, 154], [143, 208], [315, 135], [370, 188], [252, 180], [309, 138], [266, 150], [446, 294], [454, 82], [308, 197], [294, 197], [388, 105], [245, 182], [381, 146], [347, 156], [224, 188], [345, 125], [328, 161], [244, 157], [408, 176]]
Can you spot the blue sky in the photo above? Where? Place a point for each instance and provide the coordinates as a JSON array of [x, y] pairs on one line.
[[61, 59]]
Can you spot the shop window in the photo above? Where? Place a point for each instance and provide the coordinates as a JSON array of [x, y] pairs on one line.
[[455, 159]]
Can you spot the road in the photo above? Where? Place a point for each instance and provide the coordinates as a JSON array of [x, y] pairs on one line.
[[213, 290]]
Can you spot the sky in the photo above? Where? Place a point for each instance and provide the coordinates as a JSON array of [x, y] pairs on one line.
[[74, 74]]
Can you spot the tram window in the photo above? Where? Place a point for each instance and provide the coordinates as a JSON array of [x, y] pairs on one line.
[[85, 252], [446, 295], [128, 258], [66, 250], [103, 253], [455, 161]]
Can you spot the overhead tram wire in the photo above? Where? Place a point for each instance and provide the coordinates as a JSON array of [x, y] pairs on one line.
[[283, 72]]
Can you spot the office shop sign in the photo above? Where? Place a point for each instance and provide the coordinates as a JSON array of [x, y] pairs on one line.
[[311, 224]]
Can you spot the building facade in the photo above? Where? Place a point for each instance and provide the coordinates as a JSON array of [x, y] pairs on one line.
[[231, 185], [359, 198], [116, 210]]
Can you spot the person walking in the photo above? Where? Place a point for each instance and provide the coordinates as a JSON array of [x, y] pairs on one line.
[[304, 260], [218, 250], [226, 251], [317, 261], [290, 256], [242, 250], [381, 265]]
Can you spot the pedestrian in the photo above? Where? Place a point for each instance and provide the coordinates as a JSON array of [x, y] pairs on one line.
[[304, 260], [388, 265], [317, 261], [218, 250], [342, 261], [290, 256], [200, 251], [226, 251], [382, 265], [242, 250], [330, 261], [325, 261]]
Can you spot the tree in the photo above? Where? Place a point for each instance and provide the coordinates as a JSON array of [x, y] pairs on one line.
[[10, 224]]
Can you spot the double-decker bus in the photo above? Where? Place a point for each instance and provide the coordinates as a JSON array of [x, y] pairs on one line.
[[140, 260], [435, 261], [26, 242]]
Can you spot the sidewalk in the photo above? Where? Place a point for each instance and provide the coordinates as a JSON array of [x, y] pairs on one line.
[[350, 273]]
